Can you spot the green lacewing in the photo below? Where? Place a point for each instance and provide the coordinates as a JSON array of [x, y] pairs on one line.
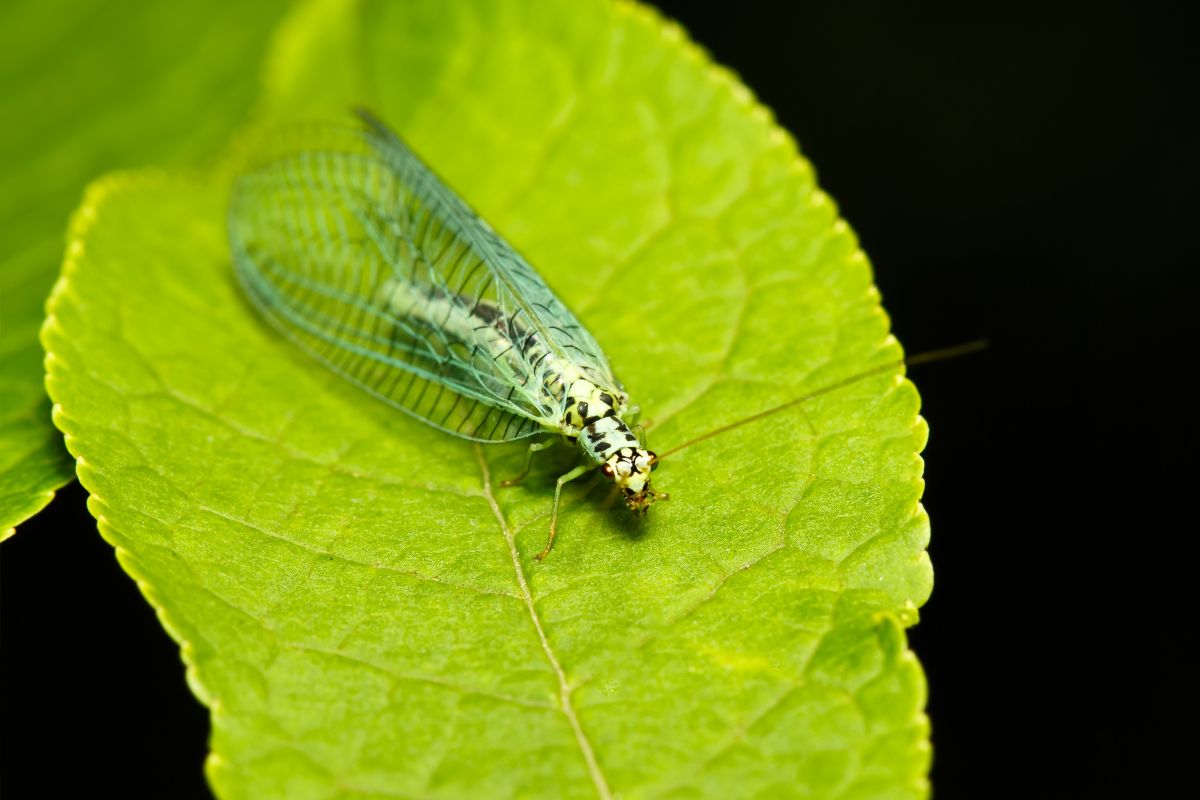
[[356, 251]]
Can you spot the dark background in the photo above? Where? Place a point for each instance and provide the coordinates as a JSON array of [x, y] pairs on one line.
[[1022, 175]]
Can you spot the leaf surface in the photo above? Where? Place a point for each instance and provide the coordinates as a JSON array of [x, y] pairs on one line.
[[356, 597], [86, 86]]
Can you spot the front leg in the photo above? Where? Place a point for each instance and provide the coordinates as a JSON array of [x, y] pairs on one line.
[[536, 447], [570, 476]]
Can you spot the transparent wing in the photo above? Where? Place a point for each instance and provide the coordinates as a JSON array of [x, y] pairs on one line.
[[357, 252], [520, 289]]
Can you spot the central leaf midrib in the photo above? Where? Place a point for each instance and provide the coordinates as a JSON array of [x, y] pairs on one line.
[[585, 746]]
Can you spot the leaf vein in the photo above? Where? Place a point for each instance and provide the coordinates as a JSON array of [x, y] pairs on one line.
[[564, 686], [377, 566], [418, 677]]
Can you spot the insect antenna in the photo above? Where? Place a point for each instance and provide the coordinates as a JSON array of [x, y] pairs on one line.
[[926, 357]]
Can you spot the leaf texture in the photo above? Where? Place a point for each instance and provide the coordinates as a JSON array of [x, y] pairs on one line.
[[86, 87], [356, 597]]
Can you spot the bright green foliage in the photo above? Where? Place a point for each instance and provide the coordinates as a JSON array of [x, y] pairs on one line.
[[86, 86], [355, 595]]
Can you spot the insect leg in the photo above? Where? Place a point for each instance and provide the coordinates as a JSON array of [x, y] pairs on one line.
[[536, 447], [570, 476], [639, 431]]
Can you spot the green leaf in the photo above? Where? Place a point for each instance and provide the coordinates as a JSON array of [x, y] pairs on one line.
[[87, 86], [355, 597]]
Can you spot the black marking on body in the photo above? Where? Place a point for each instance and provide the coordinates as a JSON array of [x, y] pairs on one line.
[[486, 312], [512, 338]]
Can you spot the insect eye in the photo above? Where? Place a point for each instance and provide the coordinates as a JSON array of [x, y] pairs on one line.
[[607, 470]]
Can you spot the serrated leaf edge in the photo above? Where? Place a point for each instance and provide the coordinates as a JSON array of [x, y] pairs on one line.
[[99, 191]]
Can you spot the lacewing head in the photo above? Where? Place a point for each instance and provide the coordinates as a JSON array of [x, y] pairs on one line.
[[630, 468]]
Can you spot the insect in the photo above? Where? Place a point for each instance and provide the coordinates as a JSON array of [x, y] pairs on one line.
[[354, 249]]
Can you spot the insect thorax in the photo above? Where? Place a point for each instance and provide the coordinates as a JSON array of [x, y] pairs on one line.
[[593, 416]]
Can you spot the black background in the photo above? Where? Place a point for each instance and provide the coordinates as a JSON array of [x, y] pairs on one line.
[[1020, 174]]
